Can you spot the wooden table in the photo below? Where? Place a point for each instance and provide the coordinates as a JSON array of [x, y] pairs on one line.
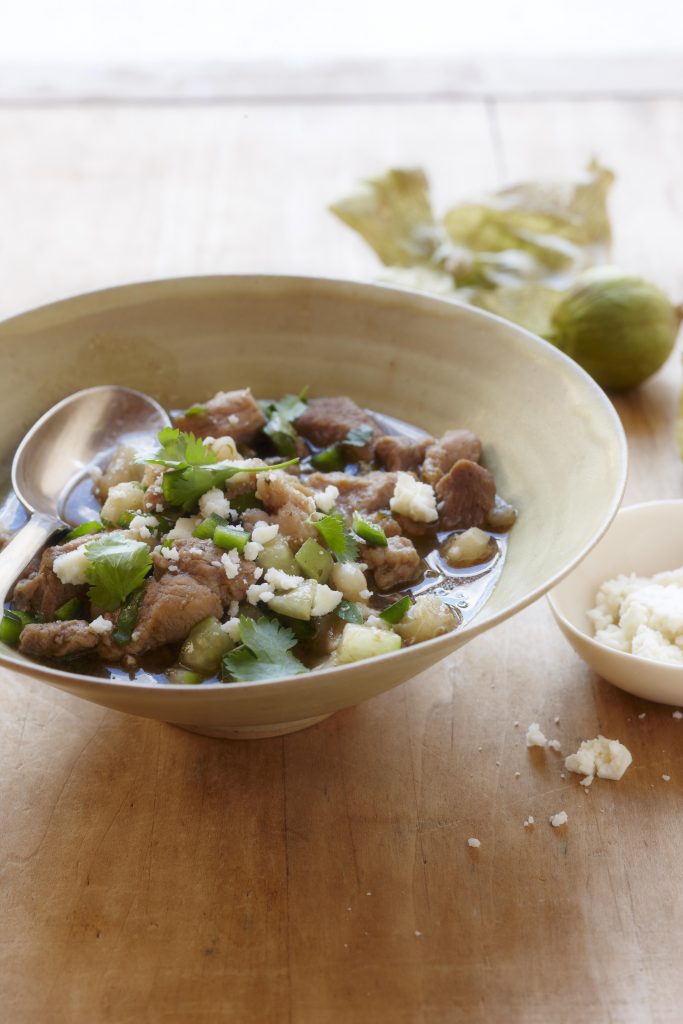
[[153, 875]]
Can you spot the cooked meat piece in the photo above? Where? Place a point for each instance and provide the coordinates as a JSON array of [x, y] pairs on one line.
[[413, 529], [396, 565], [328, 420], [154, 495], [402, 452], [367, 493], [121, 468], [232, 413], [468, 493], [291, 503], [168, 611], [201, 559], [42, 591], [444, 453], [57, 639]]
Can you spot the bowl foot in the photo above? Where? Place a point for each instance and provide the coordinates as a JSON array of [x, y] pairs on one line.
[[255, 732]]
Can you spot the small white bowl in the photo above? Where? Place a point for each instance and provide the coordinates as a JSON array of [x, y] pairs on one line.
[[644, 539]]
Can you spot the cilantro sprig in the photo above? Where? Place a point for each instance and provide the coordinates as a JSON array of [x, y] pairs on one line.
[[265, 652], [336, 534], [117, 566], [280, 417], [192, 469]]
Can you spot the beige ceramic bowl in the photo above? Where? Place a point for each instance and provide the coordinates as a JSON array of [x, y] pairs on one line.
[[644, 539], [550, 435]]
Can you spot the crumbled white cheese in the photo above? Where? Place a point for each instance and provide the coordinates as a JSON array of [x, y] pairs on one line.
[[643, 714], [377, 622], [214, 503], [258, 573], [529, 821], [230, 561], [667, 778], [172, 554], [124, 497], [327, 499], [534, 736], [234, 609], [554, 745], [184, 528], [252, 550], [259, 592], [561, 818], [72, 566], [642, 616], [556, 720], [143, 526], [677, 714], [101, 626], [233, 418], [232, 628], [278, 579], [224, 448], [413, 499], [474, 843], [517, 774], [264, 532], [159, 507], [326, 599], [608, 759]]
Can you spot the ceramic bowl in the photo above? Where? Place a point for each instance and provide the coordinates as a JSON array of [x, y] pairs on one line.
[[644, 539], [550, 435]]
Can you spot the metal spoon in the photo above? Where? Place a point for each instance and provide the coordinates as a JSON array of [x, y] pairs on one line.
[[52, 465]]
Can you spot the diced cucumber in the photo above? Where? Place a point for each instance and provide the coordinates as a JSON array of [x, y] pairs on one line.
[[205, 645], [361, 642], [277, 554], [296, 604], [315, 561]]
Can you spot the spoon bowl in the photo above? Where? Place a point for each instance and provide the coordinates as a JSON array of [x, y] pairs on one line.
[[51, 470]]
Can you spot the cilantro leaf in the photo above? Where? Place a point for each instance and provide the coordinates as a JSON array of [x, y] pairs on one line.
[[348, 611], [179, 449], [337, 536], [185, 485], [280, 416], [265, 652], [118, 566], [358, 437]]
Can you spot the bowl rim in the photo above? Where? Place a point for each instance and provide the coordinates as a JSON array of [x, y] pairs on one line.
[[620, 657], [351, 287]]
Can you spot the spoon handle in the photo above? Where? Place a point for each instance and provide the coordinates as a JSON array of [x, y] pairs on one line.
[[23, 547]]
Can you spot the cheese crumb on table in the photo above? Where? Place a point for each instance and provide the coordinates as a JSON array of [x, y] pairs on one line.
[[608, 759], [643, 715], [529, 821], [561, 818], [677, 714], [554, 745], [667, 778], [474, 843], [534, 736]]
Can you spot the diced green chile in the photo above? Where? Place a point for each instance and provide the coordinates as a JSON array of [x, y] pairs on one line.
[[228, 537], [369, 532], [329, 460], [128, 617], [83, 530], [12, 624], [395, 612], [207, 527], [69, 610], [349, 611]]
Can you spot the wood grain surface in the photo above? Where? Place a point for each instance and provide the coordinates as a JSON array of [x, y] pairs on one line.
[[153, 875]]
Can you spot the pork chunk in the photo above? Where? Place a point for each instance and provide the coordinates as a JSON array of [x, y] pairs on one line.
[[467, 493], [328, 421], [201, 559], [169, 609], [367, 493], [394, 566], [290, 503], [404, 453], [441, 455], [57, 639], [232, 413], [41, 590]]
